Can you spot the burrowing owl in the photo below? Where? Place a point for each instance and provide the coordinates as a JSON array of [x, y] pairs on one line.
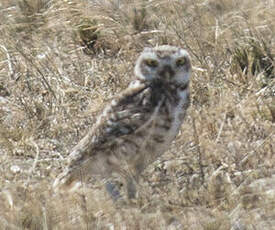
[[138, 125]]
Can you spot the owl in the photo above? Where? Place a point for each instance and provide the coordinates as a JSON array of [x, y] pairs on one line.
[[137, 126]]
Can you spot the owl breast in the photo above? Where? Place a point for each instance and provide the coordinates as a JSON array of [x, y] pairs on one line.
[[147, 125]]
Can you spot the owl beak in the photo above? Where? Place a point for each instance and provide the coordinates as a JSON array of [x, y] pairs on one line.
[[167, 73]]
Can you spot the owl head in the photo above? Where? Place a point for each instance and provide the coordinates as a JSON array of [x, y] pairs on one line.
[[167, 64]]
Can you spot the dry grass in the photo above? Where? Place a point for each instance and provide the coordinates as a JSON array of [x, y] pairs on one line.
[[60, 60]]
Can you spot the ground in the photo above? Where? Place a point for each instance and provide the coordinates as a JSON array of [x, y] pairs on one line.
[[62, 60]]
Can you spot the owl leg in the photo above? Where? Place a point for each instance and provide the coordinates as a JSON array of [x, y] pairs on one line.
[[113, 190], [133, 179], [131, 188]]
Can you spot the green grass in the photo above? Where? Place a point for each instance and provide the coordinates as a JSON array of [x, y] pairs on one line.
[[218, 174]]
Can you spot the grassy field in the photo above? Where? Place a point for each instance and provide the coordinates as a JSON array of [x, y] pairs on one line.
[[62, 60]]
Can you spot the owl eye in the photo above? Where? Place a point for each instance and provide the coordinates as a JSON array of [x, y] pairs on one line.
[[151, 63], [181, 62]]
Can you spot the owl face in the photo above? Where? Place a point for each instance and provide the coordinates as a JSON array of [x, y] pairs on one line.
[[166, 64]]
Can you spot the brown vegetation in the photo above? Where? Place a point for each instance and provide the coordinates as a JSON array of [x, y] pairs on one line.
[[220, 171]]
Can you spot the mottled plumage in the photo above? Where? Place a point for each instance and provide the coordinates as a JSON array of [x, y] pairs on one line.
[[138, 125]]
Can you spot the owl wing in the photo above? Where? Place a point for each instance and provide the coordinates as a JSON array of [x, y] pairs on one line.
[[121, 117], [124, 115]]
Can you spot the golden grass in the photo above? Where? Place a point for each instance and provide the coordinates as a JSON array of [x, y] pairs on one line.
[[219, 173]]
